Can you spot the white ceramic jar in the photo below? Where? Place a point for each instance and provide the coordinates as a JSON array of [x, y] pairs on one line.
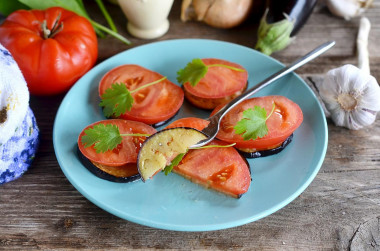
[[147, 19]]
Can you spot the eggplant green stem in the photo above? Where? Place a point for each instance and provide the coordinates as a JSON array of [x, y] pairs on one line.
[[275, 36]]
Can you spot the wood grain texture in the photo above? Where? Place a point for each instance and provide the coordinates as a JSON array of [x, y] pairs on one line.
[[340, 210]]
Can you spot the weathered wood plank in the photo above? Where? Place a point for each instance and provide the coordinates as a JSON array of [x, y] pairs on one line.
[[337, 211]]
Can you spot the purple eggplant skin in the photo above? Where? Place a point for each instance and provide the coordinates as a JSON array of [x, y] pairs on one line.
[[103, 175], [265, 153], [297, 10]]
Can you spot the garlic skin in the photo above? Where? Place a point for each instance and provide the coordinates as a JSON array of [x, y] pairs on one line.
[[351, 96], [223, 14], [348, 8]]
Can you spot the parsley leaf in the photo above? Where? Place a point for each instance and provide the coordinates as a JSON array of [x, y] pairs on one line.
[[253, 124], [168, 169], [116, 100], [196, 70], [193, 72], [105, 137]]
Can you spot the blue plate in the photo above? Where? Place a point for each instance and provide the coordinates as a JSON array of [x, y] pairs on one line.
[[172, 202]]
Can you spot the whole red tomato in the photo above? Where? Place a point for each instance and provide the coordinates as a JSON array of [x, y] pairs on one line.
[[53, 47]]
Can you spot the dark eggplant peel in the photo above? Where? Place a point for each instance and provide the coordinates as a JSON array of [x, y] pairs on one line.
[[281, 22]]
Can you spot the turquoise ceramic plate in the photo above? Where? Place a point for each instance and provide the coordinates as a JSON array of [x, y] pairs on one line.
[[171, 202]]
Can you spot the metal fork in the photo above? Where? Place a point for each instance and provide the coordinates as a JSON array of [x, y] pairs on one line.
[[213, 127]]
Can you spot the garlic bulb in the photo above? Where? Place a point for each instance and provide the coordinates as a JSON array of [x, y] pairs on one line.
[[351, 96], [348, 8]]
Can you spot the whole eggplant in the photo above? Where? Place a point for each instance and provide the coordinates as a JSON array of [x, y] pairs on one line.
[[281, 21]]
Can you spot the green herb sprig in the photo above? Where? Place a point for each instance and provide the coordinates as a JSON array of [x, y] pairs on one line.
[[117, 99], [168, 169], [105, 137], [253, 124], [196, 70]]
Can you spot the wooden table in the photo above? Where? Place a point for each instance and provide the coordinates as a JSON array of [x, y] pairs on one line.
[[339, 210]]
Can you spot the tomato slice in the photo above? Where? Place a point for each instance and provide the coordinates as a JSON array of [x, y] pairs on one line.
[[286, 118], [218, 86], [126, 151], [222, 169], [191, 122], [152, 105]]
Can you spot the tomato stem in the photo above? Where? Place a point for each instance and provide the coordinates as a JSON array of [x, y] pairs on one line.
[[45, 31], [57, 27]]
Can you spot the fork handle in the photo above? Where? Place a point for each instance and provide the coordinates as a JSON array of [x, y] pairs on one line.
[[298, 63], [213, 127]]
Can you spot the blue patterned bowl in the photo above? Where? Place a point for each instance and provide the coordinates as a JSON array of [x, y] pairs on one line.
[[18, 152]]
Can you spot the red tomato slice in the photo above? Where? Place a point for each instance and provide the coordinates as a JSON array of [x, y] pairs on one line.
[[219, 81], [154, 104], [222, 169], [126, 151], [191, 122], [218, 86], [286, 118]]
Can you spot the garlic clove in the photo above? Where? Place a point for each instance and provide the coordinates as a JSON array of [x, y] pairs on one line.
[[372, 96], [359, 120], [348, 8]]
